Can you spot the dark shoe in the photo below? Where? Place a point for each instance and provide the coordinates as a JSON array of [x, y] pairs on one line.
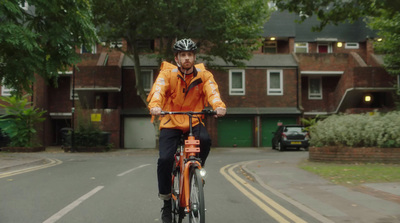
[[166, 212]]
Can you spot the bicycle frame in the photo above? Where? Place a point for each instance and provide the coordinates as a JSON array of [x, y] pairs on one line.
[[187, 159]]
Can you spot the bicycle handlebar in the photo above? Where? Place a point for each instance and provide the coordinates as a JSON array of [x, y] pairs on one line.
[[204, 112]]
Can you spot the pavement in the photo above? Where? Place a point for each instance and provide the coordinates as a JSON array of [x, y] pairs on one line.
[[320, 198], [326, 201]]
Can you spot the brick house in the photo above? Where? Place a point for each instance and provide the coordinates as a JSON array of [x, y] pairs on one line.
[[296, 73]]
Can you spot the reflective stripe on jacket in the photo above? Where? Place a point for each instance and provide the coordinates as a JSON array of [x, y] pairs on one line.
[[171, 93]]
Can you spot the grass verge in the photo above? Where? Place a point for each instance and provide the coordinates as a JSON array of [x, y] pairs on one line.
[[354, 174]]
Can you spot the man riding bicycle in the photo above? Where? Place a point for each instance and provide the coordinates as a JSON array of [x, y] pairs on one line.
[[187, 87]]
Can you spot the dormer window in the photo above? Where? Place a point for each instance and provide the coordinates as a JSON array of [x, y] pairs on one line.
[[270, 46], [351, 46], [301, 47]]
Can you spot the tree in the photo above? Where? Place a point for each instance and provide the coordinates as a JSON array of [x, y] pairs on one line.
[[40, 37], [338, 11], [389, 28], [382, 15], [229, 29]]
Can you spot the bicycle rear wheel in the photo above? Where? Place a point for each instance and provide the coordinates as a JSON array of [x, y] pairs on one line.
[[196, 200]]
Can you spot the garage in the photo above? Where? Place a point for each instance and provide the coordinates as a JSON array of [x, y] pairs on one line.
[[235, 131], [139, 133], [270, 124]]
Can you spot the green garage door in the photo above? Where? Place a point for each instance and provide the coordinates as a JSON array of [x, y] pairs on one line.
[[235, 131], [270, 124]]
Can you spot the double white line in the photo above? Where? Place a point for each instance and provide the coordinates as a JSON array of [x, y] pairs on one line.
[[53, 162]]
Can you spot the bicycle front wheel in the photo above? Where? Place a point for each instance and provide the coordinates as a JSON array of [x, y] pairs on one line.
[[196, 200]]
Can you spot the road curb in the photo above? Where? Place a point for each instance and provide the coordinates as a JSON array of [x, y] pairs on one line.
[[298, 204], [21, 165]]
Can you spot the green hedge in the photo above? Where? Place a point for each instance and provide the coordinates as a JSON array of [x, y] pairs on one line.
[[358, 130]]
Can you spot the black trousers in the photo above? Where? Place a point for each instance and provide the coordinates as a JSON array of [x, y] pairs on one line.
[[169, 141]]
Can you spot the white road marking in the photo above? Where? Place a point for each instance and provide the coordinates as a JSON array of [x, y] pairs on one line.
[[73, 205], [133, 169]]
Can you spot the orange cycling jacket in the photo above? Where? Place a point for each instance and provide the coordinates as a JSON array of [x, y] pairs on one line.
[[171, 92]]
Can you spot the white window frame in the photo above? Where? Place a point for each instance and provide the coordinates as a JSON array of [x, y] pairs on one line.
[[237, 91], [325, 44], [147, 89], [5, 91], [94, 49], [24, 5], [275, 91], [303, 47], [71, 97], [352, 45], [117, 44], [315, 96]]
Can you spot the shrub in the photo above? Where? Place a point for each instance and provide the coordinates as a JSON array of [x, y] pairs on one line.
[[20, 121], [358, 130], [89, 134]]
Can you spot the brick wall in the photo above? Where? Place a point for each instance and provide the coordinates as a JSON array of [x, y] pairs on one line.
[[60, 97], [323, 61], [256, 89], [372, 77], [110, 122], [351, 155], [98, 76], [130, 98]]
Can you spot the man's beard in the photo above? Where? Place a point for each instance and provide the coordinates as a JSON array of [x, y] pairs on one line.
[[187, 65]]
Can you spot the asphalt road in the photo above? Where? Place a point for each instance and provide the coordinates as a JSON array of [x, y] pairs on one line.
[[122, 187]]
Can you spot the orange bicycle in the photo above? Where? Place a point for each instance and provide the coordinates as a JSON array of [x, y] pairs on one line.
[[187, 176]]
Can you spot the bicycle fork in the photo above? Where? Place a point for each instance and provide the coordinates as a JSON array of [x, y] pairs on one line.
[[191, 149]]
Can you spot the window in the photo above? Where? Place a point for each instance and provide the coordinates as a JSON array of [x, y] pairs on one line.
[[301, 47], [314, 88], [24, 5], [75, 96], [274, 82], [270, 47], [147, 80], [5, 91], [351, 46], [236, 82], [272, 5], [146, 45], [117, 44], [92, 50], [324, 48]]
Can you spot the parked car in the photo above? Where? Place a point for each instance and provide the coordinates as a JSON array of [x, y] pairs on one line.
[[290, 136]]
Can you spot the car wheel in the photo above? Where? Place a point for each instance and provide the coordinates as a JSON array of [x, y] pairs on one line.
[[280, 147], [305, 148], [273, 146]]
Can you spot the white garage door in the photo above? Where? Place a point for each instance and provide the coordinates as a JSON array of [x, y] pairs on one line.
[[139, 133]]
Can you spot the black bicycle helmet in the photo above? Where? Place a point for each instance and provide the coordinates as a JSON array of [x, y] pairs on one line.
[[185, 45]]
